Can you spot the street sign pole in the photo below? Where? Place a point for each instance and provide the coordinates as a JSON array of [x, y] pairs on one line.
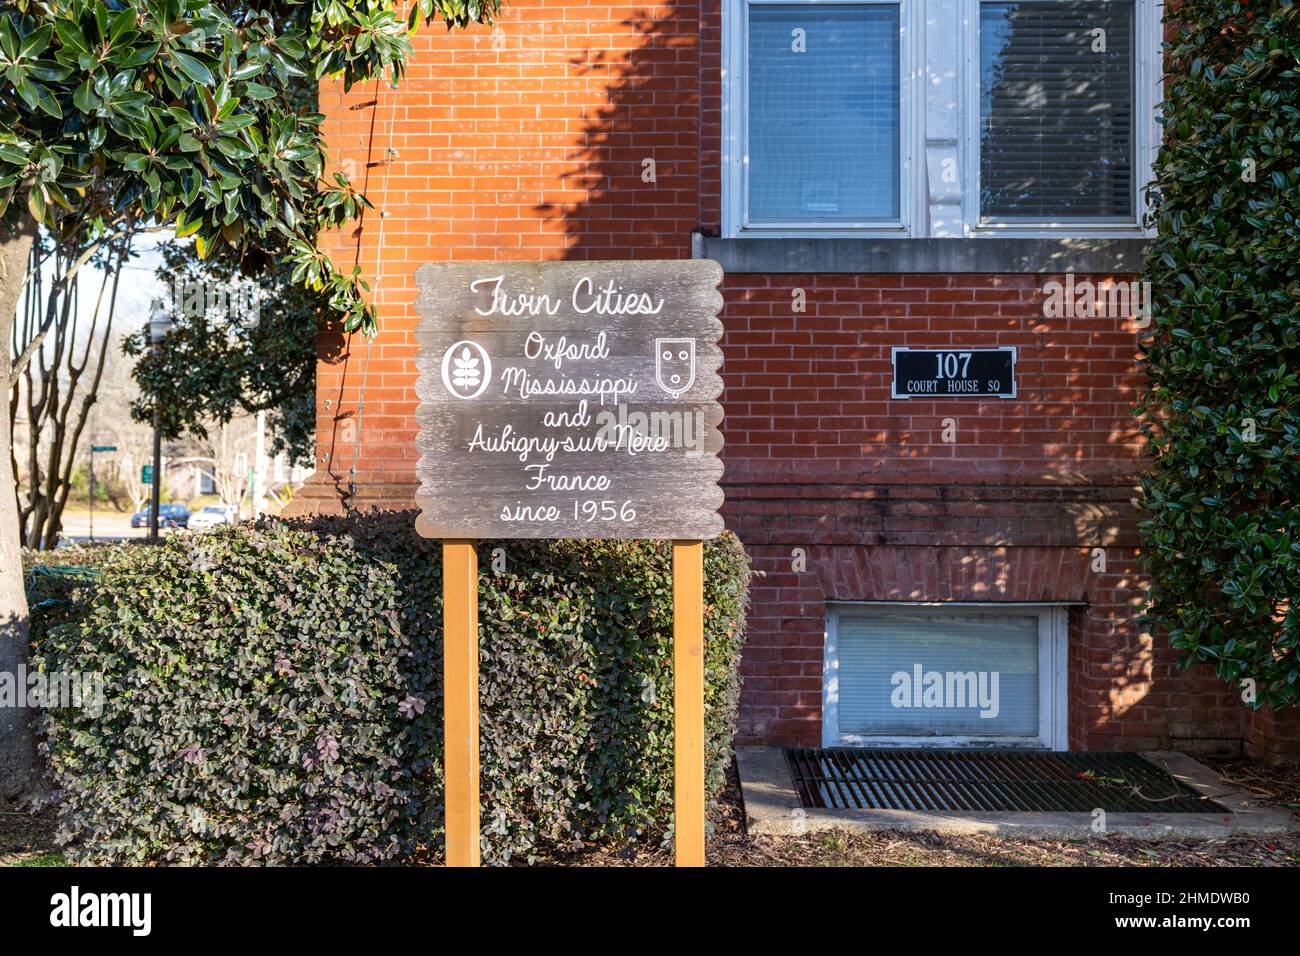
[[93, 450], [460, 700], [160, 323], [155, 486], [688, 702]]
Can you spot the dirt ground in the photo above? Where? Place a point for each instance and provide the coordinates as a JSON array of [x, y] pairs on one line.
[[27, 840], [729, 845]]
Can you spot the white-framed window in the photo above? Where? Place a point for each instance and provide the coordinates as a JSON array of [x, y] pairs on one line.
[[945, 675], [820, 116], [1059, 132], [933, 118]]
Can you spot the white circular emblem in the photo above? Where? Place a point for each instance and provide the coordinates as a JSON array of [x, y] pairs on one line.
[[466, 369]]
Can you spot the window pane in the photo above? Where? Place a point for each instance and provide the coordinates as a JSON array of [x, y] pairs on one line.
[[823, 123], [1056, 109], [968, 665]]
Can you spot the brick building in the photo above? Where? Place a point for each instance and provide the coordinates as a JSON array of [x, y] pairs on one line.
[[872, 176]]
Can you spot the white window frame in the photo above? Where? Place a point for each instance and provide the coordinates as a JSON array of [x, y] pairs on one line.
[[735, 113], [1053, 630], [919, 67], [1148, 82]]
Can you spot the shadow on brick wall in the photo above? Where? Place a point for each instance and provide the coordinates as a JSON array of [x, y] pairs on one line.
[[638, 162]]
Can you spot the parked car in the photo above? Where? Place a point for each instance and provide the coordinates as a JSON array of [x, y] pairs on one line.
[[213, 515], [169, 516]]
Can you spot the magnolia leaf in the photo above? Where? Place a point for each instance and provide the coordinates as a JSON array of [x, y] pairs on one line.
[[138, 56], [34, 43], [184, 229], [85, 99], [12, 153], [123, 25], [55, 194], [70, 36], [193, 68], [36, 203]]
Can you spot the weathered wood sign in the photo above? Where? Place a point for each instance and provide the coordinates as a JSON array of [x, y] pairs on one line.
[[569, 399], [954, 373]]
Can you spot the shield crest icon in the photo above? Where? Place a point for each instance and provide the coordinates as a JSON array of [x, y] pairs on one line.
[[675, 364]]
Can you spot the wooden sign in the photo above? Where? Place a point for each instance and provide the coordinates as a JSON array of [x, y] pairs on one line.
[[954, 373], [569, 399]]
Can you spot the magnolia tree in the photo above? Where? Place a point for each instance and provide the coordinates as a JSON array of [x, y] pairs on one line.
[[117, 115]]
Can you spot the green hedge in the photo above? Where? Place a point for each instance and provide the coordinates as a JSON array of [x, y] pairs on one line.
[[1222, 500], [273, 694]]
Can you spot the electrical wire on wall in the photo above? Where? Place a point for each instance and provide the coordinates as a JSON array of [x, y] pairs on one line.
[[390, 157]]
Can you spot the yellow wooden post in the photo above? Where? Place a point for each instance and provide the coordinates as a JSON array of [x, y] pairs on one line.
[[460, 700], [688, 701]]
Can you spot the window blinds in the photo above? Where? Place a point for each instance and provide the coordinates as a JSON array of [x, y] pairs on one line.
[[1056, 118], [872, 648], [823, 134]]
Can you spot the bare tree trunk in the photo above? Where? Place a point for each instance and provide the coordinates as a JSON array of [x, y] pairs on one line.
[[69, 420], [60, 383], [17, 752]]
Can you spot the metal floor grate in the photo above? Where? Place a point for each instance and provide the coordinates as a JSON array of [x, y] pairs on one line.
[[988, 780]]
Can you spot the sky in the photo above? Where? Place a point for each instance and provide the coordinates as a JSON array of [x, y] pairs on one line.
[[139, 285]]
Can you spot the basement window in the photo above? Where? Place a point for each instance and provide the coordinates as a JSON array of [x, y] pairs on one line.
[[945, 675]]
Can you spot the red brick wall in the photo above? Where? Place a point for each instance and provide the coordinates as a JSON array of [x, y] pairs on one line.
[[807, 394], [819, 457], [525, 141], [1273, 737], [528, 142]]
